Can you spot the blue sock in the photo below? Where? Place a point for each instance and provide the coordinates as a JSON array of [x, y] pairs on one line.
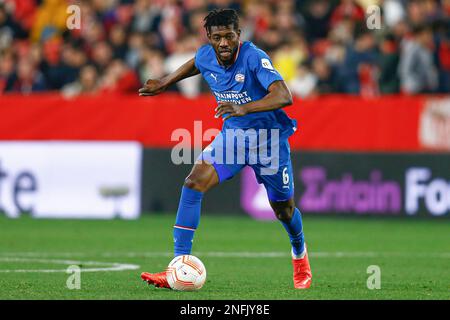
[[188, 217], [294, 229]]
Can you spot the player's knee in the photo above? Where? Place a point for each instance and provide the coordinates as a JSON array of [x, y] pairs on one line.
[[193, 182], [284, 213]]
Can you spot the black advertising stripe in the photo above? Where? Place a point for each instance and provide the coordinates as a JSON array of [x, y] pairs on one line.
[[223, 309], [389, 177]]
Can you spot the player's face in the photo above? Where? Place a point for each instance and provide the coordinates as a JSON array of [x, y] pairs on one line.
[[225, 41]]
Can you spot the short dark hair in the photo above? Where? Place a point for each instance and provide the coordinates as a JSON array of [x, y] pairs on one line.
[[221, 17]]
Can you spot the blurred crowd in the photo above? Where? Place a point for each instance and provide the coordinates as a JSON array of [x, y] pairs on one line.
[[318, 46]]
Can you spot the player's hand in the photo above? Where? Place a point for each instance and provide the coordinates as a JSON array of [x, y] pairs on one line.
[[232, 109], [152, 87]]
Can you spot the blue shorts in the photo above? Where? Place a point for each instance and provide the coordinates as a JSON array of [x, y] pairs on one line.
[[263, 150]]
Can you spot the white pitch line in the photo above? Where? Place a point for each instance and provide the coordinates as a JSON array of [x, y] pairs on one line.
[[234, 254], [281, 254], [109, 266]]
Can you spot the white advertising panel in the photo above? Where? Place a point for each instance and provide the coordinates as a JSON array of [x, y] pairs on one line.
[[99, 180]]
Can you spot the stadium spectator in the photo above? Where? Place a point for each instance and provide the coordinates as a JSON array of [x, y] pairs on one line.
[[394, 12], [418, 73], [6, 70], [442, 40], [50, 20], [119, 78], [23, 12], [286, 19], [271, 41], [347, 9], [170, 27], [149, 37], [10, 29], [118, 41], [87, 83], [26, 79], [151, 65], [317, 19], [388, 60], [261, 17], [102, 55], [146, 17], [304, 83], [357, 57], [326, 78], [136, 48], [194, 21], [184, 50], [289, 55], [56, 72], [74, 59]]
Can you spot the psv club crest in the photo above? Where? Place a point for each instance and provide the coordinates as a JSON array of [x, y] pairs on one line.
[[239, 77]]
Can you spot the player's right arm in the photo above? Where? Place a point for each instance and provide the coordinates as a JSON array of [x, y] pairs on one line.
[[155, 86]]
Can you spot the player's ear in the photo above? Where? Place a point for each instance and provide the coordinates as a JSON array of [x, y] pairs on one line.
[[238, 32]]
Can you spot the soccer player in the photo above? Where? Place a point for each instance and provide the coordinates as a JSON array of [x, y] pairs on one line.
[[250, 95]]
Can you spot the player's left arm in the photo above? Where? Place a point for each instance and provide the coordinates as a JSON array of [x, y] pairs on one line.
[[278, 97]]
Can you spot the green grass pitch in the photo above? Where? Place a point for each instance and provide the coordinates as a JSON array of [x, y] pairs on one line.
[[245, 259]]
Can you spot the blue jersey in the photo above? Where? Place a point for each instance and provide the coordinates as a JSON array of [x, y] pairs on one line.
[[246, 80]]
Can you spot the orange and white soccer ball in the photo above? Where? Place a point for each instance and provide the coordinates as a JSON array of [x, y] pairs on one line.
[[186, 273]]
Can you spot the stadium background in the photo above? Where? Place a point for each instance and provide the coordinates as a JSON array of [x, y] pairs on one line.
[[77, 142]]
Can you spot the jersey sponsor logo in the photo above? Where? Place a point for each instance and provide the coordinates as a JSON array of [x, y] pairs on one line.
[[233, 96], [239, 77], [214, 76], [266, 64]]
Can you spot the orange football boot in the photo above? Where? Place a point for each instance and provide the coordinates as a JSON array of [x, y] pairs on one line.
[[302, 272], [159, 280]]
